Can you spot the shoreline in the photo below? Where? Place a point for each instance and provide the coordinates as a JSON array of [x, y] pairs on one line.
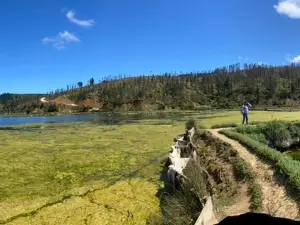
[[142, 112]]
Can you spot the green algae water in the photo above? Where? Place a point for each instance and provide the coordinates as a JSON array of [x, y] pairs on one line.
[[295, 154], [82, 173]]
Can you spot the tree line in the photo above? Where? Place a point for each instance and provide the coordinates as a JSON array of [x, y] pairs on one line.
[[225, 87]]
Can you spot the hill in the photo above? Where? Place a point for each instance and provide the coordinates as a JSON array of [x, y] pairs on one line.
[[225, 87], [16, 103]]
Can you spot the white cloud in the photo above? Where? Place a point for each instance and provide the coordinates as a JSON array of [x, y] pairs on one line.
[[83, 23], [296, 59], [61, 40], [290, 8]]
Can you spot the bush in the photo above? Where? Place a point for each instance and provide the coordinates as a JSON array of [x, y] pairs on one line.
[[190, 124], [276, 133]]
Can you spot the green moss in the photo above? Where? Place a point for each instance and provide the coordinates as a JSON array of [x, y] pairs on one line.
[[41, 164]]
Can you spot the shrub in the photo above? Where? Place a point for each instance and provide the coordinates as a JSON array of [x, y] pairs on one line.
[[294, 129], [190, 124], [276, 133]]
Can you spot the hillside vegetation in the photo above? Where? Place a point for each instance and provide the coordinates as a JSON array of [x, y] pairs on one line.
[[225, 87]]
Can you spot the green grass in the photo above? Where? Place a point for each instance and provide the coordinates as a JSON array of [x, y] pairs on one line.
[[241, 169], [81, 165], [234, 117], [256, 196]]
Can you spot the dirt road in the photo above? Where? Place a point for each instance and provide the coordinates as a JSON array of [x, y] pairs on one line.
[[276, 201]]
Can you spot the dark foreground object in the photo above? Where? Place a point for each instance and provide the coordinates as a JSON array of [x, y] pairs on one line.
[[256, 219]]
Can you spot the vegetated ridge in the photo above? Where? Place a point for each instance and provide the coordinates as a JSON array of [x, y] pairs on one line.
[[225, 87]]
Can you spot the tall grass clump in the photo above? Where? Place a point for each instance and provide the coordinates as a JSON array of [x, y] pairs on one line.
[[183, 206]]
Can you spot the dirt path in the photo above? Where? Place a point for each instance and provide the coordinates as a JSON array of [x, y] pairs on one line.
[[43, 100], [241, 205], [276, 201]]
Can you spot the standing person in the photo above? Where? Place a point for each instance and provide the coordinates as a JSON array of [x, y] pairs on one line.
[[245, 111]]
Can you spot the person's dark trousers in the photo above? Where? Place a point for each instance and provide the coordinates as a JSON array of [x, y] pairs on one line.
[[245, 118]]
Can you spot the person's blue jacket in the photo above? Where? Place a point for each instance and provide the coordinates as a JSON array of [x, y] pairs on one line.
[[245, 108]]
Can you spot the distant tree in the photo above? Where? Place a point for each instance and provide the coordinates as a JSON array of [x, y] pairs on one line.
[[80, 84], [92, 81]]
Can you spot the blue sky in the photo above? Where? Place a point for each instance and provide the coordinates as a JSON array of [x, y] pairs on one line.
[[46, 45]]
